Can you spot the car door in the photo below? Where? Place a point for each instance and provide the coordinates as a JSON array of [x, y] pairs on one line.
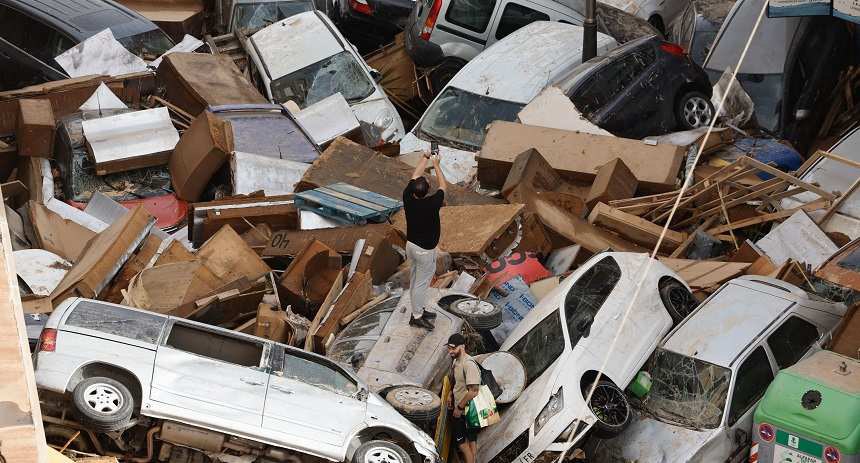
[[514, 15], [211, 372], [751, 380], [463, 27], [27, 50], [312, 400]]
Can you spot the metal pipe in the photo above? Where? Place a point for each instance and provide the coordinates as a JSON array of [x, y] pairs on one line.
[[589, 37]]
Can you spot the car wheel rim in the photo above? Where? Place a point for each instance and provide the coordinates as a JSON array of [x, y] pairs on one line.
[[609, 406], [382, 455], [475, 307], [697, 112], [414, 397], [103, 398]]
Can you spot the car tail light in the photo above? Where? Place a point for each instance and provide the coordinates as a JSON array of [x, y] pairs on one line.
[[673, 49], [47, 340], [430, 22], [766, 432], [361, 6]]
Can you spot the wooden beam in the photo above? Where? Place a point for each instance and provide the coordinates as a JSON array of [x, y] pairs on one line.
[[811, 206], [839, 158], [636, 229], [836, 204], [788, 178]]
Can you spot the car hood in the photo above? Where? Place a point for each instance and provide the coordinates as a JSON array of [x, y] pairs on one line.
[[647, 439], [457, 165]]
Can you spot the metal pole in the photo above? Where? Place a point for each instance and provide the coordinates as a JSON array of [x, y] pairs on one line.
[[589, 39]]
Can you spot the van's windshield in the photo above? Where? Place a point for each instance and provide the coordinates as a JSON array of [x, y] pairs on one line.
[[339, 73], [255, 16], [686, 391], [459, 118]]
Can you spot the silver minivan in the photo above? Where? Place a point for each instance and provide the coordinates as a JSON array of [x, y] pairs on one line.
[[214, 390]]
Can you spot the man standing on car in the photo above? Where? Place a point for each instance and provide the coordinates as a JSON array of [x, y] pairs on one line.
[[422, 236], [467, 380]]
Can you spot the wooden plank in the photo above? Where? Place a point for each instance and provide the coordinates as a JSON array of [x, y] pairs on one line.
[[21, 432], [469, 229], [838, 203], [354, 295], [331, 296], [788, 178], [811, 206], [581, 232], [703, 274], [636, 229]]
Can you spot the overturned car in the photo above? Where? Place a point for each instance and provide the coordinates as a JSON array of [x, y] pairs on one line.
[[157, 385]]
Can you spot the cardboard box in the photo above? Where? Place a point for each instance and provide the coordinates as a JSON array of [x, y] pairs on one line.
[[614, 181], [577, 156], [36, 128], [201, 151], [530, 172], [194, 81], [271, 323]]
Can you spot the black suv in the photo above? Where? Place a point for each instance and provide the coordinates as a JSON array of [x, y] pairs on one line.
[[33, 32]]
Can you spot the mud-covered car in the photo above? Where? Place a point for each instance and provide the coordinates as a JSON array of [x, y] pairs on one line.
[[710, 372], [562, 344], [214, 392], [149, 187], [402, 363]]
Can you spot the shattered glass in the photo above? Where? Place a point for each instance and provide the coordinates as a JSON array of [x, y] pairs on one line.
[[541, 346], [851, 261], [339, 73], [587, 295], [254, 16], [316, 374], [353, 349], [687, 391], [459, 118], [117, 321]]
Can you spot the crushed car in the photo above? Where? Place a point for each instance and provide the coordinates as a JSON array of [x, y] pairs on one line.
[[645, 87], [697, 26], [562, 344], [216, 392], [402, 363], [708, 374], [305, 59]]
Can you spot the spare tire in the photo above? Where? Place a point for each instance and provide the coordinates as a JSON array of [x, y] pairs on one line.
[[415, 403], [103, 404], [481, 315]]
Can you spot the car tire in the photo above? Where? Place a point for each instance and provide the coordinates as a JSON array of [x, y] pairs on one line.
[[694, 110], [443, 73], [380, 451], [611, 408], [103, 404], [415, 403], [677, 299], [480, 315]]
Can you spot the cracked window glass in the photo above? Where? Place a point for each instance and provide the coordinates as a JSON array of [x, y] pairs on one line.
[[540, 346], [791, 341], [346, 351], [686, 391], [255, 16], [366, 326], [587, 295], [458, 118], [116, 321], [317, 374], [339, 73], [851, 261]]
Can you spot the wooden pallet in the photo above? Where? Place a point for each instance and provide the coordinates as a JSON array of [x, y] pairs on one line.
[[347, 204]]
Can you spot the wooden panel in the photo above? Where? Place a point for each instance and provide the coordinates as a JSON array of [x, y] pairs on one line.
[[703, 274], [636, 229], [581, 232], [229, 258]]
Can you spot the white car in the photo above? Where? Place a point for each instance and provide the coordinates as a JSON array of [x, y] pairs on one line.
[[495, 86], [305, 59], [710, 372], [214, 390], [562, 344]]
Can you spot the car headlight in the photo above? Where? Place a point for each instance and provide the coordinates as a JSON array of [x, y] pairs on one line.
[[385, 119], [552, 407]]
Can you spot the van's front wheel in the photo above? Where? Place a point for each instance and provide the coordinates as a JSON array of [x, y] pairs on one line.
[[380, 451], [103, 404]]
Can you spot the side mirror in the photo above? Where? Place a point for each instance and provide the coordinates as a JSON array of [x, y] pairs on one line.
[[376, 75]]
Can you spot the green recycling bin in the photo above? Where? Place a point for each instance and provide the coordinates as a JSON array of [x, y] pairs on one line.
[[810, 413]]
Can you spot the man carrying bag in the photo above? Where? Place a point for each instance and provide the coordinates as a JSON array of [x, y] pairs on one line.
[[467, 381]]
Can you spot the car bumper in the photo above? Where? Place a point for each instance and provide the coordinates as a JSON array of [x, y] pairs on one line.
[[424, 53]]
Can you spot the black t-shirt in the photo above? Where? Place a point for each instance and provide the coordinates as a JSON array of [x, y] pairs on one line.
[[422, 217]]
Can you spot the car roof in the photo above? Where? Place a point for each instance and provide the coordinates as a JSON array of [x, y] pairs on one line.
[[82, 19], [519, 66], [296, 42], [723, 326], [569, 80]]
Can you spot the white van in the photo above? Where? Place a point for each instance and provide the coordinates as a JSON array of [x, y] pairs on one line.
[[495, 86], [304, 58]]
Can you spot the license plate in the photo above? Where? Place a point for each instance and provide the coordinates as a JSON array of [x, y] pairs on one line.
[[787, 455]]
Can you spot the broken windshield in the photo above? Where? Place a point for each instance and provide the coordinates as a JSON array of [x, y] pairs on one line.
[[460, 117], [541, 346], [687, 391], [339, 73], [254, 16], [147, 45]]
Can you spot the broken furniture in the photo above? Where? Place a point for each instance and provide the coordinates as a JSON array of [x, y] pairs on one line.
[[36, 127], [130, 141]]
